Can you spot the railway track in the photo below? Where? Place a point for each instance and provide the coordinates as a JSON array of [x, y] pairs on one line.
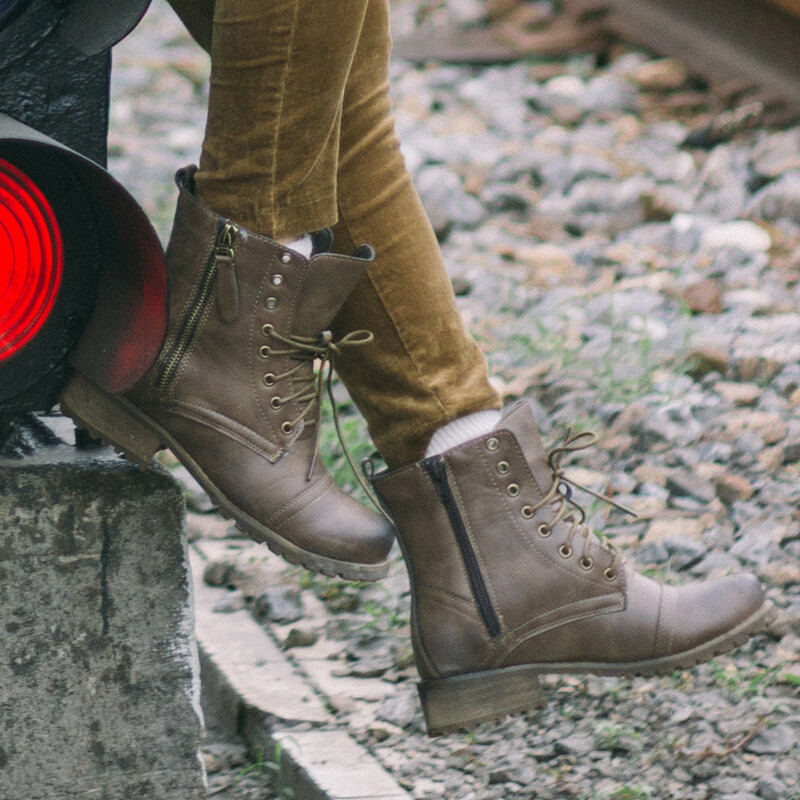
[[746, 50]]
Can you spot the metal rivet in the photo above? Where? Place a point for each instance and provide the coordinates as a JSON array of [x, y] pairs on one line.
[[543, 531], [267, 329], [272, 303], [526, 511], [586, 563], [492, 444], [277, 280], [512, 489], [286, 258], [287, 428], [565, 551], [269, 379], [609, 574], [503, 467], [276, 402], [264, 350]]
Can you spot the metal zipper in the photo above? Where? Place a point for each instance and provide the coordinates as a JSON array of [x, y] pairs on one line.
[[226, 231], [435, 467]]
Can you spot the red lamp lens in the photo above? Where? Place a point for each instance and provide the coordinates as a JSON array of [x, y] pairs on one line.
[[31, 259]]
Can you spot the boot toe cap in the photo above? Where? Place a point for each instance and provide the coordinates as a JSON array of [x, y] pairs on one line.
[[701, 613]]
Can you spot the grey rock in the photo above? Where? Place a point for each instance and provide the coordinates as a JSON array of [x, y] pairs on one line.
[[686, 484], [791, 453], [717, 562], [300, 637], [652, 553], [778, 200], [446, 201], [684, 552], [400, 709], [769, 787], [220, 572], [723, 190], [230, 602], [778, 154], [748, 443], [608, 93], [738, 796], [279, 604], [773, 741], [577, 744]]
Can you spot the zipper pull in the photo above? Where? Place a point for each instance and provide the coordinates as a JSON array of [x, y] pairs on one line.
[[435, 467], [227, 283]]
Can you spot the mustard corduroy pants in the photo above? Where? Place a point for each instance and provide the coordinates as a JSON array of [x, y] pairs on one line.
[[300, 136]]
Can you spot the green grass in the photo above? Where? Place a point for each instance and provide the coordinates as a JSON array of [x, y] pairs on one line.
[[356, 439], [749, 683], [631, 793]]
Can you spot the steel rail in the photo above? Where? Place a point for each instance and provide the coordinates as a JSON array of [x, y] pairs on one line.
[[736, 45], [747, 42]]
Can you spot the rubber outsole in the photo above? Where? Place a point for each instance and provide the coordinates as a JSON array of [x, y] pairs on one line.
[[119, 424]]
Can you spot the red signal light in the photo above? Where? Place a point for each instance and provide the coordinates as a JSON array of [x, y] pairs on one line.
[[31, 259]]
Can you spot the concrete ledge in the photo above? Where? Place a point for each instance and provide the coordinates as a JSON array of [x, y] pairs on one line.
[[98, 667], [253, 690]]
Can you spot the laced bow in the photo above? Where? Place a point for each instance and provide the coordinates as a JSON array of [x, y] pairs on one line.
[[560, 494], [310, 388]]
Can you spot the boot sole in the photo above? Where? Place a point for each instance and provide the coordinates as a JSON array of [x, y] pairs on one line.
[[119, 424], [462, 702]]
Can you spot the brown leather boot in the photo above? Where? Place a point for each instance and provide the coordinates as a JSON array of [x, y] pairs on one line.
[[508, 583], [234, 394]]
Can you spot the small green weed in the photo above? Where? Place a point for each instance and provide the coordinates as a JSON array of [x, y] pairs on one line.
[[631, 793], [358, 444], [743, 684], [274, 767]]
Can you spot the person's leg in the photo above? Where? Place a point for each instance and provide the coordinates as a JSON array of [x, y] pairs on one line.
[[271, 147], [425, 369]]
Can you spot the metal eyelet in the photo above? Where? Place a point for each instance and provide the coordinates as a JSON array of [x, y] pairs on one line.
[[512, 489], [287, 428], [565, 551], [269, 379], [609, 574], [527, 511], [492, 444], [286, 258], [276, 402], [503, 467], [267, 329], [586, 563], [543, 531], [264, 350], [277, 280], [272, 303]]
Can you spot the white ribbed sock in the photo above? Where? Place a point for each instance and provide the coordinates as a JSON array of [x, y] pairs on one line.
[[462, 430], [303, 245]]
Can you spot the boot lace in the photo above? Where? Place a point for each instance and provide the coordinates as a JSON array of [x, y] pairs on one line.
[[308, 389], [569, 511]]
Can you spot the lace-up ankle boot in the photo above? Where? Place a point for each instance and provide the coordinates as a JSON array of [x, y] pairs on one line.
[[508, 583], [234, 393]]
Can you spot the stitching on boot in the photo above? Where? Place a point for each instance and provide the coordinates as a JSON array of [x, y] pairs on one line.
[[218, 422], [301, 501]]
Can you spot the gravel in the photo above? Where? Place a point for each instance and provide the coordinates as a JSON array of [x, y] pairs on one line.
[[629, 284]]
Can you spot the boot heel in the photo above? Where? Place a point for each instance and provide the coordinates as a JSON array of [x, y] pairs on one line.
[[106, 418], [462, 702]]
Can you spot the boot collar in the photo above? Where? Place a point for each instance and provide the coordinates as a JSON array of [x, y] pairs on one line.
[[518, 420]]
